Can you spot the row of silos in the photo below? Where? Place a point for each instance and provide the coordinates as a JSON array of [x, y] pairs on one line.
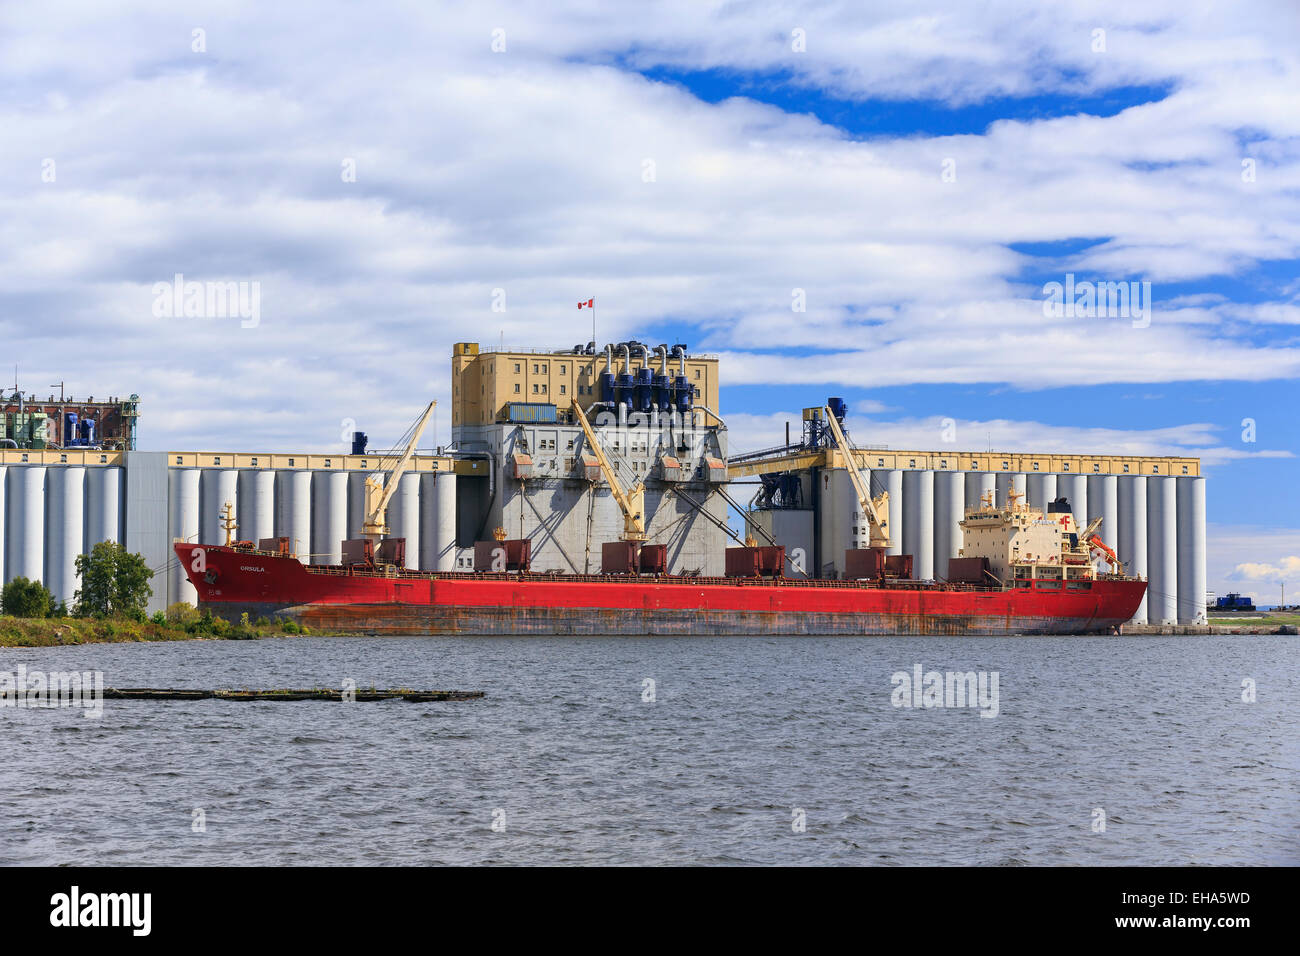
[[315, 510], [1155, 523], [51, 514]]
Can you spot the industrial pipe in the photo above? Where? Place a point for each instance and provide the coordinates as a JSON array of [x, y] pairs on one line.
[[705, 408]]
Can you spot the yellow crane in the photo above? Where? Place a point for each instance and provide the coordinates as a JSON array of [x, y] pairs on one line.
[[378, 495], [632, 501], [876, 509]]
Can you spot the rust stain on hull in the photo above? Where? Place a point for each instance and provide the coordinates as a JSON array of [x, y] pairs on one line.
[[405, 619]]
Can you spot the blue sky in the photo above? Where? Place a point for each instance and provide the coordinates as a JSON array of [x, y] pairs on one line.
[[866, 117], [913, 173]]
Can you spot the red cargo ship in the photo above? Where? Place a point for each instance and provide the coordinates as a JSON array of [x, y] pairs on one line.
[[376, 600], [1021, 572]]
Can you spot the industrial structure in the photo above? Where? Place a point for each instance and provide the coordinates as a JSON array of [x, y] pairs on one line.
[[495, 386], [549, 427], [68, 422], [562, 449]]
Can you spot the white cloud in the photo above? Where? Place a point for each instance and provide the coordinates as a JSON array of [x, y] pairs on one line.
[[750, 432], [1289, 568], [523, 171]]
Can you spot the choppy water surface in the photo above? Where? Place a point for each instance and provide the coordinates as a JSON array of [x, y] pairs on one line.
[[579, 768]]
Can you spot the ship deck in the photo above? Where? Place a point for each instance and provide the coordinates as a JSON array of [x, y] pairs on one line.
[[409, 574]]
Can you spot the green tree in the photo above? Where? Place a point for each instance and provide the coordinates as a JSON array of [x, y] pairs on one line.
[[114, 582], [24, 598], [182, 612]]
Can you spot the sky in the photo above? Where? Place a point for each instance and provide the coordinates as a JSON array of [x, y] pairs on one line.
[[861, 200]]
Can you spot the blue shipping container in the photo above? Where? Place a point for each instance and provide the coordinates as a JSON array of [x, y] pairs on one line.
[[531, 413]]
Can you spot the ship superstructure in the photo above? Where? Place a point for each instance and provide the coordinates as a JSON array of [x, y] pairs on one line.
[[1017, 543]]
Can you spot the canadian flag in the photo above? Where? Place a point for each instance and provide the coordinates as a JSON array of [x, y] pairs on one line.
[[590, 303]]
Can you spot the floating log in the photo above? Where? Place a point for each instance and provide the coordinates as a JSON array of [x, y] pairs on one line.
[[315, 693]]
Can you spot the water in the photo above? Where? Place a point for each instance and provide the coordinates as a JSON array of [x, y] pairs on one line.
[[743, 732]]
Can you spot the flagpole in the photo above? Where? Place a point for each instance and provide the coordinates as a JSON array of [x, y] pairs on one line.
[[591, 304]]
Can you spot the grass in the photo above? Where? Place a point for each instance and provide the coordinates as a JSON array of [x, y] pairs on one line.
[[58, 631], [1282, 617], [1258, 617]]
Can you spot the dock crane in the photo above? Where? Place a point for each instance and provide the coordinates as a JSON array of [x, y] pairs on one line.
[[378, 495], [631, 501], [876, 509]]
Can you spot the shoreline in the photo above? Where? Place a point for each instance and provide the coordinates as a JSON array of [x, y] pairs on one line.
[[67, 632], [71, 631], [1206, 630]]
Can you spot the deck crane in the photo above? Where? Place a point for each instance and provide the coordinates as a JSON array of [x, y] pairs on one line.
[[631, 501], [1090, 540], [378, 495], [1108, 552], [876, 509]]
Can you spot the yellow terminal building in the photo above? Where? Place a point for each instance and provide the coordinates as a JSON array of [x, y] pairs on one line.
[[486, 382]]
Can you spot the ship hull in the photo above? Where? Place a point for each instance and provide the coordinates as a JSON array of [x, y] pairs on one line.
[[399, 619], [231, 582]]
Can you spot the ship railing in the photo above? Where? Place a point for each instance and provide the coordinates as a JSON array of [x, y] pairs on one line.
[[415, 574]]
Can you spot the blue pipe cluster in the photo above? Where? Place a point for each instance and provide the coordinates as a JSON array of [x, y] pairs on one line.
[[78, 433], [646, 390]]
